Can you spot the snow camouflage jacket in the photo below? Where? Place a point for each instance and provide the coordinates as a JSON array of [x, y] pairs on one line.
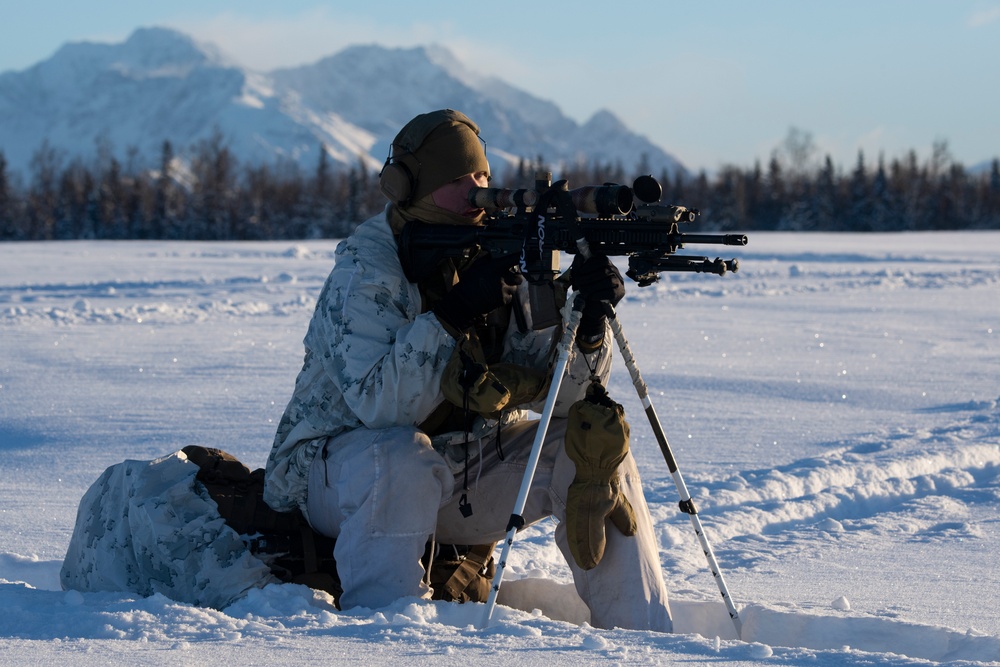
[[374, 360]]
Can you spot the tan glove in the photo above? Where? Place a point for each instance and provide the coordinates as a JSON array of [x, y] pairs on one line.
[[597, 442], [468, 382]]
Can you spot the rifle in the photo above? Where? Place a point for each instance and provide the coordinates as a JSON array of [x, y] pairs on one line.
[[534, 226]]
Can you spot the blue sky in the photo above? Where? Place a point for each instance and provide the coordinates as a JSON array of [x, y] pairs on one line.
[[713, 82]]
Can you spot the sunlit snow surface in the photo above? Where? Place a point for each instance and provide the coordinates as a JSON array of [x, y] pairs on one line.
[[832, 407]]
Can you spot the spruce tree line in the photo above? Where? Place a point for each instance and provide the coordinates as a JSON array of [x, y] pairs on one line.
[[209, 197], [213, 197]]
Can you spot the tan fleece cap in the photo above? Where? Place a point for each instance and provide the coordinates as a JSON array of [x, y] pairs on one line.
[[450, 150]]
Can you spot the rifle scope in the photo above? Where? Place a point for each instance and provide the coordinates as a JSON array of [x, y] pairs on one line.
[[592, 199], [498, 198]]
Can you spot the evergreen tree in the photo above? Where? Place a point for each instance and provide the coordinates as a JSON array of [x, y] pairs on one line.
[[8, 228], [322, 187], [165, 206], [911, 182], [860, 198], [293, 202], [214, 189], [754, 184], [699, 194], [956, 206], [991, 195], [137, 196], [72, 218], [729, 203], [882, 207], [522, 172], [354, 194], [111, 202], [775, 195], [825, 213], [666, 182], [43, 195], [643, 167]]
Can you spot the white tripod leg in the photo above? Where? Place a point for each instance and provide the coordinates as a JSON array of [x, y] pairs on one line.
[[516, 519]]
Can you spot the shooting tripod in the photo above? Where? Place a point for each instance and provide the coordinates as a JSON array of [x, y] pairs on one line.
[[686, 503]]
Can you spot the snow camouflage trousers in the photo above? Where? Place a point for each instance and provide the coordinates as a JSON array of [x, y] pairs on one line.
[[192, 527], [383, 493]]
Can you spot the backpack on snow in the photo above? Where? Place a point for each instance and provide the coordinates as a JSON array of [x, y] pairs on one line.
[[284, 540]]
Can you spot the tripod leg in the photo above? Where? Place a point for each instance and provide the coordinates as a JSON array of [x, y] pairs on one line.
[[516, 519], [686, 503]]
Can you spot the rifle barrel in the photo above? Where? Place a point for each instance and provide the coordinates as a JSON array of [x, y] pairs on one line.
[[719, 239]]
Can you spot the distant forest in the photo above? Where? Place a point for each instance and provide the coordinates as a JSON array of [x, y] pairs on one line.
[[215, 198]]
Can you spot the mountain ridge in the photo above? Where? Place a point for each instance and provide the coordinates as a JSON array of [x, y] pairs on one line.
[[160, 84]]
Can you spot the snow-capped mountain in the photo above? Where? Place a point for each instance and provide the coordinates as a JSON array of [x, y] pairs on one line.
[[161, 85]]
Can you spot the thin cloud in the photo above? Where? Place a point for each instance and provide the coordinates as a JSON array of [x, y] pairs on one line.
[[267, 43], [272, 42], [984, 17]]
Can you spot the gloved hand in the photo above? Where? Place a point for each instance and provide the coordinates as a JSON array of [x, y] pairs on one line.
[[469, 383], [597, 280], [483, 287], [597, 442]]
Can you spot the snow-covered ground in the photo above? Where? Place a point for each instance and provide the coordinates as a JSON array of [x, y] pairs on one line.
[[832, 407]]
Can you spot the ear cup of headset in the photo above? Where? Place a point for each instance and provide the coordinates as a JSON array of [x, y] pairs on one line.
[[396, 182]]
